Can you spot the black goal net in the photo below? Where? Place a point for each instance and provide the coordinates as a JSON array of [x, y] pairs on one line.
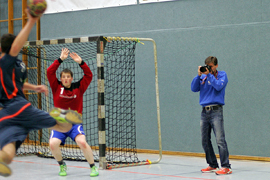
[[119, 96]]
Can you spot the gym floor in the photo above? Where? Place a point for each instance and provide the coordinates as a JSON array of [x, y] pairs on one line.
[[170, 167]]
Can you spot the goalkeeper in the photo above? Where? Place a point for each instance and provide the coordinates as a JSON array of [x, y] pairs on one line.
[[68, 95]]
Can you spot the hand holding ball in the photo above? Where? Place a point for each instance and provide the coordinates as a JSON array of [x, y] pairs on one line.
[[36, 7]]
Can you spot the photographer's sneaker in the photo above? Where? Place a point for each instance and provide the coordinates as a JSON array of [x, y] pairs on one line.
[[224, 171], [4, 169], [66, 116], [209, 169]]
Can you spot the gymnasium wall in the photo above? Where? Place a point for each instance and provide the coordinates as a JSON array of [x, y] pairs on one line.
[[237, 32]]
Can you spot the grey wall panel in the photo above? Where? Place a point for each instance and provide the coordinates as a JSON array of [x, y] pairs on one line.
[[186, 32], [237, 32]]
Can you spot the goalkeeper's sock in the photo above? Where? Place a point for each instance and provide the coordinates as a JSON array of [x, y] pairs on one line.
[[61, 162]]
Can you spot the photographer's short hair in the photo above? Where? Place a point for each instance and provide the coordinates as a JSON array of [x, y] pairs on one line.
[[6, 42], [211, 59], [66, 71]]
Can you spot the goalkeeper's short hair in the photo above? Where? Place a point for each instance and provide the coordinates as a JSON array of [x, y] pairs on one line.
[[66, 71]]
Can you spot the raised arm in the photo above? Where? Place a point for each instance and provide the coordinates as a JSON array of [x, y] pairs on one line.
[[88, 75], [195, 84], [21, 38], [51, 71]]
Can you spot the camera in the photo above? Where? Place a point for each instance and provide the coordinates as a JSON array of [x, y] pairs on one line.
[[203, 68]]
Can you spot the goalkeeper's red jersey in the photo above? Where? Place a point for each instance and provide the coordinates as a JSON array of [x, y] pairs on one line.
[[69, 98]]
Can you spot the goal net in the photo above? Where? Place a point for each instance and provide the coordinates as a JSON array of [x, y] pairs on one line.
[[118, 74]]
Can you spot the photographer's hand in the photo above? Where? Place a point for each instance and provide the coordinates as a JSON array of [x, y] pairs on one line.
[[199, 72], [206, 72]]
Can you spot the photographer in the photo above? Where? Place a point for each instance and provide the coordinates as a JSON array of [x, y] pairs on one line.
[[211, 84]]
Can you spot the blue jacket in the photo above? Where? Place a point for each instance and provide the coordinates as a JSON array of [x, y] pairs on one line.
[[212, 90]]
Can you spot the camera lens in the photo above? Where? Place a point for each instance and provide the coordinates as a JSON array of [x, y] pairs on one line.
[[203, 68]]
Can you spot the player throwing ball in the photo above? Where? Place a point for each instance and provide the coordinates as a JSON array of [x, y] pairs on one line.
[[17, 116], [68, 95]]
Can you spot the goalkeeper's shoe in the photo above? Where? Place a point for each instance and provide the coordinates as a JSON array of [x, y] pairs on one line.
[[94, 171], [63, 170], [66, 116], [4, 169]]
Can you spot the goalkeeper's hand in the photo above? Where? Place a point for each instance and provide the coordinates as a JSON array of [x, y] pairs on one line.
[[64, 54], [76, 57]]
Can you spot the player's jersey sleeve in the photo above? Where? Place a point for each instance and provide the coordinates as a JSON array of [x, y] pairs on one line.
[[8, 62], [12, 77], [8, 87], [51, 74], [87, 77]]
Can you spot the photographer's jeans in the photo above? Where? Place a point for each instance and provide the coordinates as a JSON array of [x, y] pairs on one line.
[[213, 119]]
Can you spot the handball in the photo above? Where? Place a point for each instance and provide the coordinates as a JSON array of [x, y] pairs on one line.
[[36, 7]]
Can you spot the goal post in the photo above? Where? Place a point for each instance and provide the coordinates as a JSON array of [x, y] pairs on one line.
[[109, 102], [101, 105], [103, 164]]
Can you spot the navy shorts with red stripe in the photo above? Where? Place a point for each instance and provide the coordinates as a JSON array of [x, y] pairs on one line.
[[18, 117]]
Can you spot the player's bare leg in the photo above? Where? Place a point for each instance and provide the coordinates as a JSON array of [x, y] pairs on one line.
[[63, 116], [87, 152], [65, 119], [57, 154], [6, 155], [86, 149], [62, 127], [55, 148]]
